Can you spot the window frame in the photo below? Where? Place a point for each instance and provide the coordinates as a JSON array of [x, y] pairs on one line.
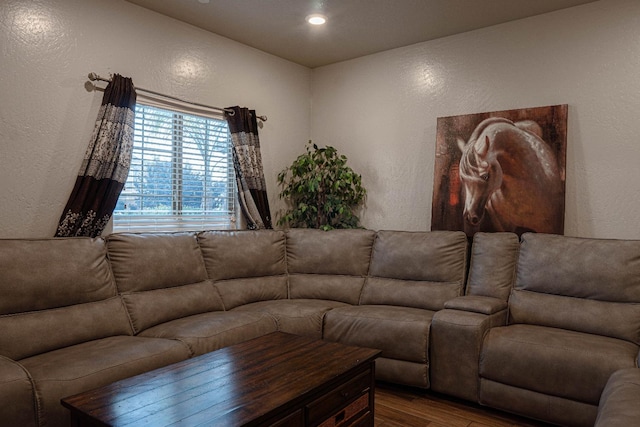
[[179, 218]]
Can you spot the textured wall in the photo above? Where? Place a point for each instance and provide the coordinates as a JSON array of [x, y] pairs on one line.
[[381, 110], [47, 115]]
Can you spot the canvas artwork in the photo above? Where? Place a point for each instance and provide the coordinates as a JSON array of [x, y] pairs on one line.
[[501, 171]]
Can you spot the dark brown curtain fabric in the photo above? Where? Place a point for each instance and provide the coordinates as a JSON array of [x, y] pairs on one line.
[[247, 161], [105, 166]]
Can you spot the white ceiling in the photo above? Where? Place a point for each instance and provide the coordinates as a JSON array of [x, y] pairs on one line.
[[354, 28]]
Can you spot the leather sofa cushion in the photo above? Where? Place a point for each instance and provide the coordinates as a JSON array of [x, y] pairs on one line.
[[492, 269], [207, 332], [416, 269], [51, 273], [70, 370], [431, 256], [597, 269], [142, 262], [552, 409], [573, 283], [162, 277], [150, 308], [31, 333], [336, 252], [243, 254], [408, 293], [237, 292], [16, 394], [612, 319], [554, 361], [298, 316], [247, 266], [326, 287], [329, 265], [400, 332]]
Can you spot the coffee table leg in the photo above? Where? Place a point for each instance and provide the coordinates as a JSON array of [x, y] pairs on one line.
[[77, 420]]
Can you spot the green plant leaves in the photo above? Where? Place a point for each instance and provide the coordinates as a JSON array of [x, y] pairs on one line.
[[321, 191]]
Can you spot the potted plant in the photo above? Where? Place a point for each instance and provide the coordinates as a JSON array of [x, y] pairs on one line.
[[321, 191]]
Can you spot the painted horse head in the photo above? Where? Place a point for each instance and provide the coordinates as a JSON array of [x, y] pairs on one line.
[[511, 175], [480, 172]]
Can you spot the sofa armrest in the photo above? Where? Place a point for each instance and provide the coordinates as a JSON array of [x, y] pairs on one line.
[[619, 401], [476, 304], [456, 343], [17, 395]]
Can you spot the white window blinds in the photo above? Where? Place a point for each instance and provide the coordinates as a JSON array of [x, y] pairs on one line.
[[181, 175]]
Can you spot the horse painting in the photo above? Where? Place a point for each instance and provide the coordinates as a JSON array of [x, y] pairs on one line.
[[510, 179]]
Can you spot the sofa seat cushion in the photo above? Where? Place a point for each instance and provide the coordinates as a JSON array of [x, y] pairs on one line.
[[540, 406], [207, 332], [554, 361], [85, 366], [400, 332], [620, 400], [16, 387], [296, 316]]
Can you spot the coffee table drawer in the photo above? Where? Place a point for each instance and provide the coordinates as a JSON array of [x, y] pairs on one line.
[[330, 405], [356, 410], [292, 420]]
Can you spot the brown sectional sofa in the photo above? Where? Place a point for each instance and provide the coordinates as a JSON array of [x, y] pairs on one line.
[[574, 319], [534, 327], [545, 349]]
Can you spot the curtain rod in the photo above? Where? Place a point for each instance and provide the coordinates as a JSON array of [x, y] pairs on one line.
[[93, 77]]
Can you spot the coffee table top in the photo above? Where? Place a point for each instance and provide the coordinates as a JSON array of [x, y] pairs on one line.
[[238, 385]]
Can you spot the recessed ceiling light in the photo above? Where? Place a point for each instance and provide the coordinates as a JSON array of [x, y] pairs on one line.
[[204, 1], [316, 19]]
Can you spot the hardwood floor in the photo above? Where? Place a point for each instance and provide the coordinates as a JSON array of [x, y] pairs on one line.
[[397, 406]]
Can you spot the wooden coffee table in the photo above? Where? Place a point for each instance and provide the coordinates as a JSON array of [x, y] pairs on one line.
[[276, 380]]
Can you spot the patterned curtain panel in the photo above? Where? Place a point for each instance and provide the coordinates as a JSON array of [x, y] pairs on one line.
[[105, 166], [247, 161]]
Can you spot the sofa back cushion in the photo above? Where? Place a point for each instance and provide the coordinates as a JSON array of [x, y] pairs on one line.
[[246, 266], [147, 261], [416, 269], [328, 265], [51, 273], [31, 333], [586, 285], [161, 277], [492, 268], [56, 293]]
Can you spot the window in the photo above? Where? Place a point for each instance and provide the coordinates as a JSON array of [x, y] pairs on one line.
[[181, 175]]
